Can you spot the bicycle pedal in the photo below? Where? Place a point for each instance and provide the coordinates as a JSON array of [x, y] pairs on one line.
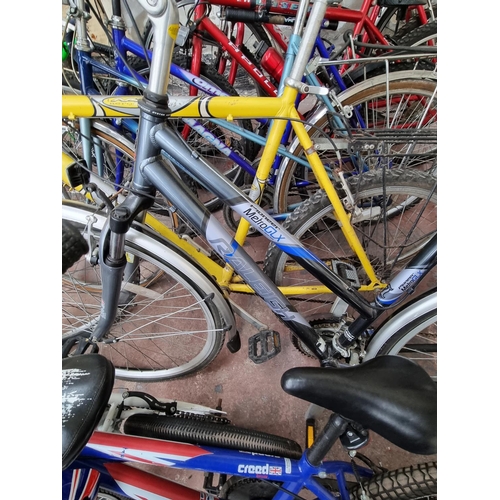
[[78, 174], [263, 346], [210, 487], [346, 271]]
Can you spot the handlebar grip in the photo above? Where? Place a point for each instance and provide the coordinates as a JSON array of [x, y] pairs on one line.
[[245, 16]]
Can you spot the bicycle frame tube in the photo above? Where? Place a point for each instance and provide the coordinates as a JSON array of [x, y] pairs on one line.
[[108, 454], [152, 172], [206, 24], [196, 167], [82, 480], [249, 107], [363, 19]]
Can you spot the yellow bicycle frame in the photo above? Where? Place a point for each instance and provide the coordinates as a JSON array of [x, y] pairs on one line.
[[280, 109]]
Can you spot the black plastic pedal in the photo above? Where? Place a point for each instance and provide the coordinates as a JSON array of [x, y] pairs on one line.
[[347, 272], [210, 487], [78, 175], [263, 346]]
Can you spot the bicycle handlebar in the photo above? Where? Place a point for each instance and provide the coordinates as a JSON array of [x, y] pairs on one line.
[[245, 16]]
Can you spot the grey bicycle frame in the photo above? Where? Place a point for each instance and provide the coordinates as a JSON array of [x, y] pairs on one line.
[[153, 172]]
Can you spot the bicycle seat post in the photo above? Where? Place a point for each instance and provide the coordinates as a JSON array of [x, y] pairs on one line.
[[164, 16], [311, 30], [332, 431]]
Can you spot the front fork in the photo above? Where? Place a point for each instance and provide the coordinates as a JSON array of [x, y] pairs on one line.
[[115, 268]]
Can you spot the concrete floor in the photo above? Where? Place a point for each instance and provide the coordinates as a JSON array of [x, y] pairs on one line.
[[251, 394]]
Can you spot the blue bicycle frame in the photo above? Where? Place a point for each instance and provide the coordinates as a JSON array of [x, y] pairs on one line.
[[103, 462]]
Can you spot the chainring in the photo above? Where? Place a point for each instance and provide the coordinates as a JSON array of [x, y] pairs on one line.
[[326, 324]]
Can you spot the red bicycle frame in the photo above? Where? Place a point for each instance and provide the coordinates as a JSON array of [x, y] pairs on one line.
[[206, 24], [363, 20]]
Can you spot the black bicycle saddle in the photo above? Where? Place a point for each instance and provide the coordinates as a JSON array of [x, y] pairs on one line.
[[390, 395], [87, 382]]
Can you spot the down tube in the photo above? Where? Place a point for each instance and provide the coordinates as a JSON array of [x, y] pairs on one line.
[[195, 166], [168, 183]]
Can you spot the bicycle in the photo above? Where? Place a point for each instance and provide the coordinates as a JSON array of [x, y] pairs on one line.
[[170, 262], [248, 38], [293, 167], [250, 463], [98, 74]]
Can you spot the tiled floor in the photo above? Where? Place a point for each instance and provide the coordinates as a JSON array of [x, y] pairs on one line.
[[251, 394]]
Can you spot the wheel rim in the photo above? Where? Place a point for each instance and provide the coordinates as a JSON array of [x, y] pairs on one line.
[[390, 129], [402, 235], [150, 343]]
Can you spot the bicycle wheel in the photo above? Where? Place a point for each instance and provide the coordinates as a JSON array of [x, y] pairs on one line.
[[169, 322], [407, 483], [394, 125], [393, 212], [411, 331]]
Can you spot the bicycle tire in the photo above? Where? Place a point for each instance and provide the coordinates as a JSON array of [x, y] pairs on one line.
[[419, 35], [412, 100], [153, 337], [204, 433], [410, 219], [411, 331], [385, 23], [105, 494], [406, 483], [73, 245]]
